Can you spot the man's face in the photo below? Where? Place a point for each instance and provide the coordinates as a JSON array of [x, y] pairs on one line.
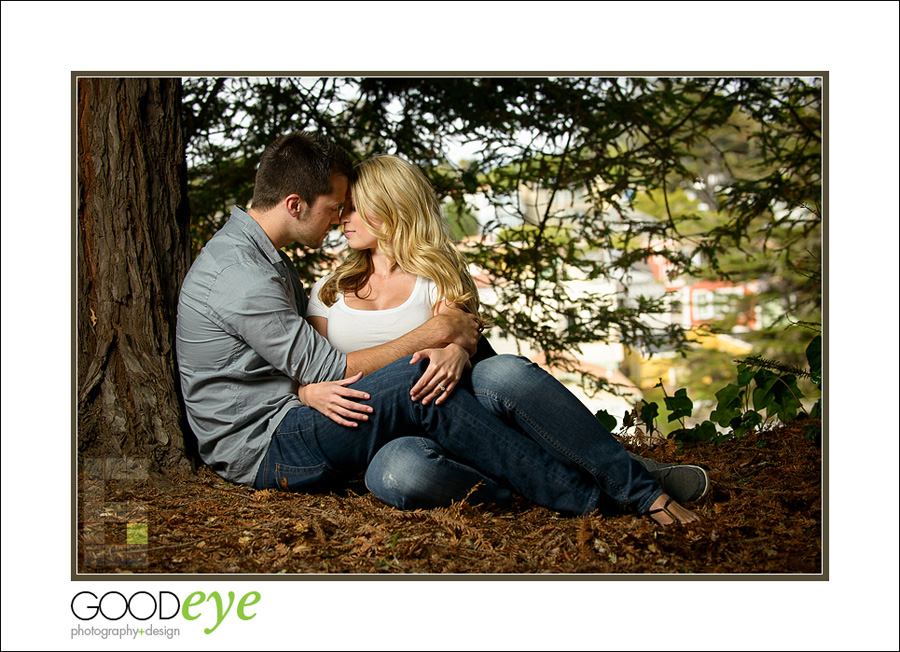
[[314, 223]]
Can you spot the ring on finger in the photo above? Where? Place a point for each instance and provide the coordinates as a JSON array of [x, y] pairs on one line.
[[442, 388]]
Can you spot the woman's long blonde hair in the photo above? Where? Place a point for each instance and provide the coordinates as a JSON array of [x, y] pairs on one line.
[[412, 233]]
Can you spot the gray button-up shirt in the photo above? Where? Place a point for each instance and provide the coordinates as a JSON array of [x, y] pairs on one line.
[[244, 347]]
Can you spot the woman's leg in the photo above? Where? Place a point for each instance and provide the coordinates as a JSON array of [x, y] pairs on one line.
[[415, 473], [529, 399]]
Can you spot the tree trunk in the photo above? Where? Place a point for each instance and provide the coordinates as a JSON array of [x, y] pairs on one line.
[[133, 252]]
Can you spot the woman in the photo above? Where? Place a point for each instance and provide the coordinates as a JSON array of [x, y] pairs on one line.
[[402, 270]]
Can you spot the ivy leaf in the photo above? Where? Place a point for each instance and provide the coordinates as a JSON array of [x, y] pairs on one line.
[[607, 420], [751, 419], [680, 405], [745, 374], [762, 395], [724, 415], [681, 435], [786, 398], [816, 412], [729, 406], [814, 358], [728, 395], [705, 431], [649, 412]]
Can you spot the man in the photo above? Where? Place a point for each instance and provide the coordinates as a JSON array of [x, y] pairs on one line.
[[244, 348]]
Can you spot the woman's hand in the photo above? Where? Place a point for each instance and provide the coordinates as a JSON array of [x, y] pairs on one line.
[[333, 400], [445, 368]]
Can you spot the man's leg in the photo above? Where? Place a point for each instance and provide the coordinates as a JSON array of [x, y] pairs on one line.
[[327, 452], [416, 473], [528, 398]]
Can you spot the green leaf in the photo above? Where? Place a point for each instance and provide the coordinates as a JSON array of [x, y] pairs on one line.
[[816, 412], [649, 412], [724, 416], [814, 358], [728, 395], [680, 405], [745, 374], [682, 435], [762, 400], [763, 397], [607, 420], [729, 406], [765, 379], [751, 419], [786, 396], [705, 431]]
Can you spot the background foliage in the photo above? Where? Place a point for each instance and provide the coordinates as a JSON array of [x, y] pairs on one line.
[[720, 176]]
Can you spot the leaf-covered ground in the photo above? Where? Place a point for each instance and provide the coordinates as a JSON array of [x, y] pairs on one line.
[[763, 515]]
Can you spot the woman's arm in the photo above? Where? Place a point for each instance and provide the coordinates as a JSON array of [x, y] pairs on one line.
[[445, 367], [451, 326]]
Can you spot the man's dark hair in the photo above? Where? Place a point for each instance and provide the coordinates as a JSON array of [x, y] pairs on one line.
[[301, 163]]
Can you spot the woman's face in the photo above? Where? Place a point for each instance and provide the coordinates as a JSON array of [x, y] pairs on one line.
[[358, 236]]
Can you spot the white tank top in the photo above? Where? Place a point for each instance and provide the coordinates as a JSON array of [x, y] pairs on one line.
[[351, 330]]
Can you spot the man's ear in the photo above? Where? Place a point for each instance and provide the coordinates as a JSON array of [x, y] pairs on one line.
[[294, 205]]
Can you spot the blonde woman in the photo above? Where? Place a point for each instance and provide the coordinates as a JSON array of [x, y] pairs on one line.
[[401, 270]]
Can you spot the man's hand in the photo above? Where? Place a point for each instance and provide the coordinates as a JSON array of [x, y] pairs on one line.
[[333, 400], [461, 327], [445, 368]]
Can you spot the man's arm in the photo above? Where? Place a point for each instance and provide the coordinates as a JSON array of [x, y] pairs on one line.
[[254, 307], [451, 326]]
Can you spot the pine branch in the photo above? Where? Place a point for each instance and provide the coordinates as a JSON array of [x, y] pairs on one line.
[[772, 365]]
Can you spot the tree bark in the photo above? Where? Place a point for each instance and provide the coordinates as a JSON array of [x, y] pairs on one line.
[[133, 252]]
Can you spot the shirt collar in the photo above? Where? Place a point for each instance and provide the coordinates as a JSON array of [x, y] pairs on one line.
[[255, 232]]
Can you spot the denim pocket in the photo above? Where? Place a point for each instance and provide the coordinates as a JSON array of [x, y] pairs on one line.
[[300, 478], [293, 459]]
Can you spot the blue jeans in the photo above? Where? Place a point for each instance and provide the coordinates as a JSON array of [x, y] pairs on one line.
[[417, 473], [310, 452], [530, 401]]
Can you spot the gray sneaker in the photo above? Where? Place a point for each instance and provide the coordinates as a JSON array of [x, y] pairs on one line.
[[683, 482]]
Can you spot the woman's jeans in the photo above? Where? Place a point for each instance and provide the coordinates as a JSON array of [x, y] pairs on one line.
[[518, 427], [414, 472]]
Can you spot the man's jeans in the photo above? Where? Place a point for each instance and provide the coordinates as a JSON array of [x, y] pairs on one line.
[[528, 439], [413, 472]]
